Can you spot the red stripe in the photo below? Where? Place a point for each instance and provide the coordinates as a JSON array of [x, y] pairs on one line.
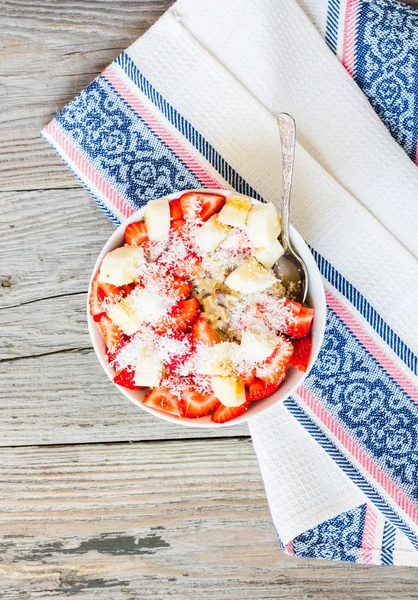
[[399, 497], [65, 147], [179, 149], [371, 346], [369, 532], [289, 548], [349, 35]]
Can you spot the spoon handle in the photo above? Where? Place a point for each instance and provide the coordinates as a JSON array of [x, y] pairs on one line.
[[287, 129]]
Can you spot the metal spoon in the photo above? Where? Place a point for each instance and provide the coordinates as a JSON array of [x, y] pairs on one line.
[[289, 268]]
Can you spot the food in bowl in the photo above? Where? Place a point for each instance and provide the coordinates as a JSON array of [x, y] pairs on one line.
[[190, 309]]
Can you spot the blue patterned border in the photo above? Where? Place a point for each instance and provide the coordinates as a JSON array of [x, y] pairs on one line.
[[349, 469]]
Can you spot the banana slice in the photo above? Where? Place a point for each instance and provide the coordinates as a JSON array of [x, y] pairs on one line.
[[120, 266], [250, 277], [230, 391], [235, 211], [258, 343], [149, 368], [263, 225], [157, 219], [126, 315], [268, 256], [210, 235], [216, 360]]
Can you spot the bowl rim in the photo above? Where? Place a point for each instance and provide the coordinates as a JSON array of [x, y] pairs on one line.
[[202, 422]]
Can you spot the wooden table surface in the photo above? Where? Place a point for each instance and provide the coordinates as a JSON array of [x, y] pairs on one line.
[[100, 500]]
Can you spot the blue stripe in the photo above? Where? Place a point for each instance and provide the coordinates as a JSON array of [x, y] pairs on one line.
[[109, 213], [331, 31], [388, 543], [349, 469], [367, 311], [239, 184]]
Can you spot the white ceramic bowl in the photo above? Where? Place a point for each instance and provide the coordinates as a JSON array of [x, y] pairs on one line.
[[294, 378]]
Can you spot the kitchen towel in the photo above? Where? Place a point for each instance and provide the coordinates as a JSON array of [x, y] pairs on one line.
[[192, 104]]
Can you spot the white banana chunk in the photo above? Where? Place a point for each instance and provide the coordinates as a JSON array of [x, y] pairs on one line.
[[258, 343], [268, 256], [126, 315], [230, 391], [216, 360], [263, 225], [149, 368], [120, 266], [157, 219], [250, 277], [235, 211], [211, 234]]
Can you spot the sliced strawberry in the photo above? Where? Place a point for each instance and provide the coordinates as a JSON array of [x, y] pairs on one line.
[[125, 377], [300, 325], [293, 306], [248, 377], [111, 333], [225, 413], [163, 399], [179, 288], [301, 352], [260, 389], [274, 369], [189, 265], [202, 333], [180, 317], [199, 405], [200, 205], [175, 209], [112, 355], [135, 234], [177, 225], [96, 309]]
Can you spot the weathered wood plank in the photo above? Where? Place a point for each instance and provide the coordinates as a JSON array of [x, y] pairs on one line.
[[66, 398], [66, 44], [49, 244], [158, 520]]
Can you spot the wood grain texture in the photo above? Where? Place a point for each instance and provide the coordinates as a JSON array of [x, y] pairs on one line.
[[53, 50], [158, 520]]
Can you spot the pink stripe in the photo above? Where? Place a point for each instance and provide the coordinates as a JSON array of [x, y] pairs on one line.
[[349, 35], [369, 532], [179, 149], [416, 155], [359, 454], [289, 548], [371, 346], [65, 146]]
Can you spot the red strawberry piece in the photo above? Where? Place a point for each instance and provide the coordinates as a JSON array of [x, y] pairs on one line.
[[189, 265], [179, 287], [177, 225], [175, 209], [199, 405], [301, 352], [202, 333], [299, 325], [260, 389], [111, 333], [248, 377], [111, 356], [135, 234], [274, 368], [180, 317], [226, 413], [200, 206], [162, 399], [126, 377], [293, 306], [95, 303]]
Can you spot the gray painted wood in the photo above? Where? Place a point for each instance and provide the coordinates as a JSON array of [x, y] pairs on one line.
[[149, 519], [184, 519]]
